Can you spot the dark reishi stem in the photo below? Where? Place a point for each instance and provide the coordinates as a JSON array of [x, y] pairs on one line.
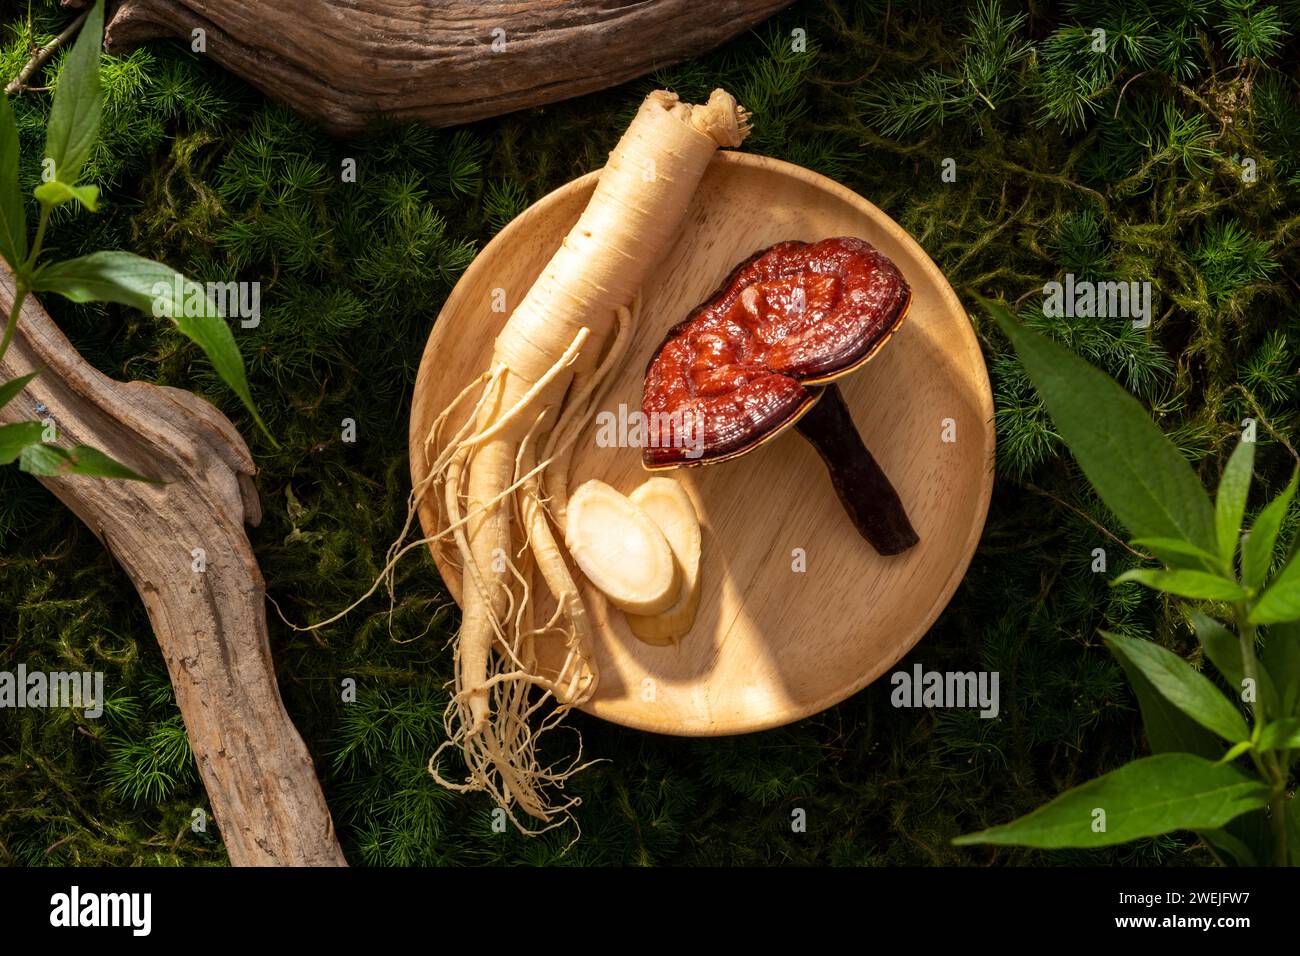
[[863, 487]]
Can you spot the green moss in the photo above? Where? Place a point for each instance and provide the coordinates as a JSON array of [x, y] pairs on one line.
[[1123, 165]]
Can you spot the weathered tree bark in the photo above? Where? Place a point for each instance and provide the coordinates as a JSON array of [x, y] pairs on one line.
[[211, 625], [352, 63]]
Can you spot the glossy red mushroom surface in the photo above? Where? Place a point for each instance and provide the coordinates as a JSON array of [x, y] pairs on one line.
[[739, 367]]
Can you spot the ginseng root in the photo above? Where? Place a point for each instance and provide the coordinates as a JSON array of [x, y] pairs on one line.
[[499, 482]]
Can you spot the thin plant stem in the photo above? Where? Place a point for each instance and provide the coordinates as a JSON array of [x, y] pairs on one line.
[[20, 293], [1092, 521], [38, 241], [1266, 763], [1249, 666], [21, 274]]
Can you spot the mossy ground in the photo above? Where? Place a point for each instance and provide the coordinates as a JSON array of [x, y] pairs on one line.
[[1122, 164]]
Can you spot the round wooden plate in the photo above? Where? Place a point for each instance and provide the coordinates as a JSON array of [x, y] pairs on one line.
[[798, 612]]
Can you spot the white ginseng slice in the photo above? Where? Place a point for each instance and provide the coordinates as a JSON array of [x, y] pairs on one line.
[[669, 506], [621, 550]]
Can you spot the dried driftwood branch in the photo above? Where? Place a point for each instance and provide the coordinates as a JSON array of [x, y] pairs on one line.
[[352, 63], [211, 625]]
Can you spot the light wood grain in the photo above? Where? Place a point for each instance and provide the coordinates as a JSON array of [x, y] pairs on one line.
[[770, 645]]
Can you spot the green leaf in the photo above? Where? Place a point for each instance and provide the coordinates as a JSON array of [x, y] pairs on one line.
[[81, 460], [1134, 468], [1282, 662], [1231, 850], [1230, 502], [13, 224], [1257, 552], [42, 459], [1281, 735], [159, 290], [10, 389], [56, 193], [1191, 584], [1281, 599], [78, 102], [1185, 688], [1254, 830], [1168, 728], [1173, 551], [15, 438], [1147, 797], [1235, 751], [1223, 648]]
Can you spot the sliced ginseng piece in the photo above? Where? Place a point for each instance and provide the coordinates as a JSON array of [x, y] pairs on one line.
[[669, 506], [746, 364], [621, 550]]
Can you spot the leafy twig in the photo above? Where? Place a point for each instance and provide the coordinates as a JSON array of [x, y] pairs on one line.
[[1120, 98], [19, 83], [1259, 413], [1092, 521]]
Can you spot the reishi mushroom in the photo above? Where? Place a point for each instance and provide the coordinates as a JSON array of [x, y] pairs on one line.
[[763, 353]]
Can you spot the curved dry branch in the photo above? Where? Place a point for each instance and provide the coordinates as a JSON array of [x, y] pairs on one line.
[[211, 625], [350, 65]]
